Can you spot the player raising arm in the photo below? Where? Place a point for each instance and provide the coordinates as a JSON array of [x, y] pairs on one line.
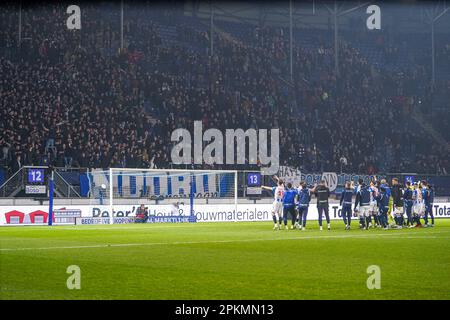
[[290, 194], [277, 208]]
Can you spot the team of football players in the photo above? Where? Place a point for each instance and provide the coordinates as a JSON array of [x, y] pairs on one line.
[[375, 204]]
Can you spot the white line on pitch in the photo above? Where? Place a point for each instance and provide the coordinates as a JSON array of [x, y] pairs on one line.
[[126, 227], [404, 236]]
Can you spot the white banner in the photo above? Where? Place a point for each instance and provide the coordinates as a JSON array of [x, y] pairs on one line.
[[290, 175], [335, 181], [29, 215], [35, 189]]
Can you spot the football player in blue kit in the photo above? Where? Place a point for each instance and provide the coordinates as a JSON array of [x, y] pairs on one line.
[[408, 201], [383, 207], [290, 194], [362, 203]]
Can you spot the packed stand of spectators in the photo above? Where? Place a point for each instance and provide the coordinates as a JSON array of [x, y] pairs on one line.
[[362, 119], [73, 99], [65, 103]]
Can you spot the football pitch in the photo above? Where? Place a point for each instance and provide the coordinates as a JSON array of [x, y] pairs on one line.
[[224, 261]]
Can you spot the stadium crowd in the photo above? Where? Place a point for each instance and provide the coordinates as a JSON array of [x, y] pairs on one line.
[[73, 99]]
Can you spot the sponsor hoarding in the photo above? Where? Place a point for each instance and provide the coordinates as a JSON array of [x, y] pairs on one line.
[[22, 215]]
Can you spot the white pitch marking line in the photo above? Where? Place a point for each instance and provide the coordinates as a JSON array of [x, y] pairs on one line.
[[404, 236], [125, 227]]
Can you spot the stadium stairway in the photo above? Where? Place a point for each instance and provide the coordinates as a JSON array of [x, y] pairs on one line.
[[428, 127], [234, 33]]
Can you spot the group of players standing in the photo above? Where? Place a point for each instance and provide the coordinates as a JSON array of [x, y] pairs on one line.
[[375, 204]]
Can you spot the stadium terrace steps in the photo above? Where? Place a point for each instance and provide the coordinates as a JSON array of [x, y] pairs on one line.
[[428, 127]]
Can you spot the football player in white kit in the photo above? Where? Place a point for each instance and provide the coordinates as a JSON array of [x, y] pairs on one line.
[[373, 203], [418, 204], [277, 209]]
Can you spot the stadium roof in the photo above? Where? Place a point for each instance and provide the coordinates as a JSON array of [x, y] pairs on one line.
[[407, 16]]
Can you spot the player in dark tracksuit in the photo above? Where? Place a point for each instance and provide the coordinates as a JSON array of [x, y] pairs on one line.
[[429, 199], [383, 207], [322, 193], [304, 197], [397, 201], [408, 202], [346, 203]]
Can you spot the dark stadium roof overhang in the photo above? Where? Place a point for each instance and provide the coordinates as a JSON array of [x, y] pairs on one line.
[[408, 15]]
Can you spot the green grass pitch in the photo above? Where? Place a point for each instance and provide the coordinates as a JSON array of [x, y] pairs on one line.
[[224, 261]]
